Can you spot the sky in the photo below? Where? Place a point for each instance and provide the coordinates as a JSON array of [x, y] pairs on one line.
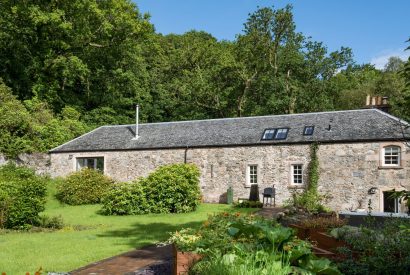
[[374, 29]]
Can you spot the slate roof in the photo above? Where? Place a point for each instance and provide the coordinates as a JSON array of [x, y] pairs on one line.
[[345, 126]]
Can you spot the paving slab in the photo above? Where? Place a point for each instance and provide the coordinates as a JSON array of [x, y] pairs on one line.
[[147, 260]]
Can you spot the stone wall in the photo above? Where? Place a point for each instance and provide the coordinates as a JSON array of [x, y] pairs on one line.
[[40, 162], [347, 171]]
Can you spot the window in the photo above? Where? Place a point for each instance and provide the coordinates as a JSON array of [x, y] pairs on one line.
[[308, 131], [391, 156], [280, 133], [92, 163], [268, 134], [297, 174], [252, 174]]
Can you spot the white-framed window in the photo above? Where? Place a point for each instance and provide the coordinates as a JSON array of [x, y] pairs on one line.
[[251, 174], [297, 174], [90, 162], [391, 155]]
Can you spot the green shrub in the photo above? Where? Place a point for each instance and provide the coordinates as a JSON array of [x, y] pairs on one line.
[[377, 250], [22, 196], [169, 189], [87, 186], [249, 204], [324, 223], [125, 199], [55, 222], [172, 189]]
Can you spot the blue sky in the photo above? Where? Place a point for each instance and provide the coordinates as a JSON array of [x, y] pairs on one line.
[[374, 29]]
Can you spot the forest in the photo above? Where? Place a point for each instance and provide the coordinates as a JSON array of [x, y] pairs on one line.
[[69, 66]]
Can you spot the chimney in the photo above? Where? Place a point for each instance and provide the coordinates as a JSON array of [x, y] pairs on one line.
[[137, 108], [377, 102]]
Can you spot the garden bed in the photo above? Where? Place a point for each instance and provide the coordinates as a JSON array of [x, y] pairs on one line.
[[246, 244], [183, 261]]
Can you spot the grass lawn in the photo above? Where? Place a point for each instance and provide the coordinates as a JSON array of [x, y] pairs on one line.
[[89, 237]]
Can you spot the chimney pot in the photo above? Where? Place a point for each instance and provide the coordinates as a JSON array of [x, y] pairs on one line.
[[367, 100]]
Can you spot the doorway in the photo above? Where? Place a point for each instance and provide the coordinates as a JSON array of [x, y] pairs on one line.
[[390, 204]]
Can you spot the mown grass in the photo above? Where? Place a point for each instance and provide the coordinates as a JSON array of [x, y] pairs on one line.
[[89, 237]]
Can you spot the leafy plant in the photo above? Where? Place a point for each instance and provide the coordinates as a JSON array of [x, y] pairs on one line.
[[172, 189], [324, 223], [242, 262], [235, 243], [22, 196], [125, 199], [169, 189], [249, 204], [55, 222], [378, 250], [87, 186]]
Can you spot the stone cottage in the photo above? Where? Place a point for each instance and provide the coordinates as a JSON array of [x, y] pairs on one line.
[[362, 154]]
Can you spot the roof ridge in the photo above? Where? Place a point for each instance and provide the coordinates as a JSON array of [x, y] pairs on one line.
[[239, 118], [391, 116]]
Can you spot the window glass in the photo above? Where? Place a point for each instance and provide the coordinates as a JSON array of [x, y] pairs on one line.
[[392, 155], [308, 131], [297, 174], [281, 133], [268, 134], [251, 174], [92, 163]]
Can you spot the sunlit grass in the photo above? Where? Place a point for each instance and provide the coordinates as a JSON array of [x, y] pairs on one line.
[[89, 237]]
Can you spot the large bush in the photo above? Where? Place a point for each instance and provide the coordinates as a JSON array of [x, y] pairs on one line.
[[169, 189], [125, 199], [172, 189], [86, 186], [22, 196]]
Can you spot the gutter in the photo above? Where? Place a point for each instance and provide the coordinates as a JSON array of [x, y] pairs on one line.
[[232, 145]]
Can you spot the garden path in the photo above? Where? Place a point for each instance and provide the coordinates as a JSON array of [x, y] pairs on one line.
[[270, 212], [148, 260]]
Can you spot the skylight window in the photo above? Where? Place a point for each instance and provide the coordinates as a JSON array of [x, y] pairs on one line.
[[308, 131], [280, 133], [268, 134]]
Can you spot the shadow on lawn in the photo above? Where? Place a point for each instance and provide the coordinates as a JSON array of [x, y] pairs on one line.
[[139, 235]]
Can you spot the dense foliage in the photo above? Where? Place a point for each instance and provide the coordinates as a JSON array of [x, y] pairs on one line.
[[376, 250], [31, 126], [247, 244], [74, 65], [172, 188], [125, 199], [169, 189], [87, 186], [248, 204], [22, 197]]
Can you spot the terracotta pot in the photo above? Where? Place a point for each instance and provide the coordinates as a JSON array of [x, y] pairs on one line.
[[183, 261]]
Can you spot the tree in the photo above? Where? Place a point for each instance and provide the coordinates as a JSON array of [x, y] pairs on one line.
[[79, 53]]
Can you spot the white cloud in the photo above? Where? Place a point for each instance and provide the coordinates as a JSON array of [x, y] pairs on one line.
[[381, 59]]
